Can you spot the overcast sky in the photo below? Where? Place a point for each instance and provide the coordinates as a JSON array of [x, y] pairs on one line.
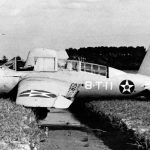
[[60, 24]]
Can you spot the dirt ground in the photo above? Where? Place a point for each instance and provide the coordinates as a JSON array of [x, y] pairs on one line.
[[64, 136], [73, 140]]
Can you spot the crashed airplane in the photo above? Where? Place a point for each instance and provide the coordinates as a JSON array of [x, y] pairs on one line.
[[49, 81]]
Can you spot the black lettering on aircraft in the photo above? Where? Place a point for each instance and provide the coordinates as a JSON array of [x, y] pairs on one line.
[[73, 89], [126, 87]]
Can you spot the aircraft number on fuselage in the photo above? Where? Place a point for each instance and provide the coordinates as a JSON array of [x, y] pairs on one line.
[[99, 84], [126, 87]]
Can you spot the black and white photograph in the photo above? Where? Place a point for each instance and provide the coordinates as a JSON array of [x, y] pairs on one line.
[[74, 74]]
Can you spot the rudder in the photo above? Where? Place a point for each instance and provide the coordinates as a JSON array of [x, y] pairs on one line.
[[145, 65]]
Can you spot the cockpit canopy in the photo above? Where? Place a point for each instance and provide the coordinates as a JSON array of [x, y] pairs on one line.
[[49, 60], [42, 59], [83, 66]]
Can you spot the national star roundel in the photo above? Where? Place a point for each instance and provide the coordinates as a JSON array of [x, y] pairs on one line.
[[126, 87]]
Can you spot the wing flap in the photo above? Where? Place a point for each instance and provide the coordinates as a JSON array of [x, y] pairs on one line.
[[62, 102]]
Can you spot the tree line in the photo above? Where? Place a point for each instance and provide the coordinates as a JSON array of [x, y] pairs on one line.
[[124, 58], [20, 61], [3, 60]]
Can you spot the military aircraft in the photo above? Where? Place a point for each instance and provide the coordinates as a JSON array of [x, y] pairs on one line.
[[51, 82]]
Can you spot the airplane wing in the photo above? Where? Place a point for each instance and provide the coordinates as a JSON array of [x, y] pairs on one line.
[[46, 92]]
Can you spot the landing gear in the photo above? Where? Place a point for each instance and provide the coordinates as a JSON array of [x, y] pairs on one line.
[[146, 94], [40, 112]]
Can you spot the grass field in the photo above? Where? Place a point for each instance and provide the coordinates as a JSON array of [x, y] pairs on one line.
[[17, 124], [130, 117]]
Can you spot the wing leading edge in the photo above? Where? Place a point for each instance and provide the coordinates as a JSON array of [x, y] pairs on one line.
[[45, 92]]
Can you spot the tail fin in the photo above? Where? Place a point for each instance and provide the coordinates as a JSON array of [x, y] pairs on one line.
[[145, 66]]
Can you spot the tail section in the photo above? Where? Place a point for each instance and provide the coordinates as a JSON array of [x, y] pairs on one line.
[[145, 66]]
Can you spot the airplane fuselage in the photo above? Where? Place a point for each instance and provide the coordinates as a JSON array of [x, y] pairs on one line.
[[91, 85], [96, 86]]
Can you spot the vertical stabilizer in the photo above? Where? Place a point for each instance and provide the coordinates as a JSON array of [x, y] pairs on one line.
[[145, 66]]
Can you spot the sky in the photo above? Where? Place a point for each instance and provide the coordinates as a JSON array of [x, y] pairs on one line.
[[61, 24]]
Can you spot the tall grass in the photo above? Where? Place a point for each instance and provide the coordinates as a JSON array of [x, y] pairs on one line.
[[17, 123]]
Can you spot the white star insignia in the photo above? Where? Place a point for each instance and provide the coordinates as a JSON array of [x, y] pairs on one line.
[[126, 87], [37, 93]]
